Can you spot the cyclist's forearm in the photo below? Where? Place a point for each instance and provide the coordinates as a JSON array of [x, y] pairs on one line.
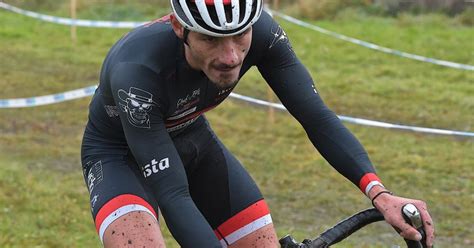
[[338, 145], [185, 222], [294, 86], [340, 148], [167, 180]]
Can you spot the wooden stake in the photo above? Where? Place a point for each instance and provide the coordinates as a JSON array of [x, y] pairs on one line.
[[73, 6], [271, 110], [276, 4]]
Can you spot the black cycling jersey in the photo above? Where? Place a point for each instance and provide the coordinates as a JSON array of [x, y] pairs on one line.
[[148, 94]]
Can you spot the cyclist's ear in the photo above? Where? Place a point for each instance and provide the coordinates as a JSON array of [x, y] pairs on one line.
[[177, 27]]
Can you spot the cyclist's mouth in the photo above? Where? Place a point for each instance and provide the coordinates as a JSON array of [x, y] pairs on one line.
[[226, 68]]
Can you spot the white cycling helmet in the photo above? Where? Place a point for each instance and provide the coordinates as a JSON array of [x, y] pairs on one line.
[[217, 17]]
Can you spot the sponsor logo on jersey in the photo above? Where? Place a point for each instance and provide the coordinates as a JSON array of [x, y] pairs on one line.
[[112, 111], [183, 114], [182, 125], [94, 200], [279, 36], [137, 103], [225, 91], [94, 175], [155, 166], [189, 100], [222, 94]]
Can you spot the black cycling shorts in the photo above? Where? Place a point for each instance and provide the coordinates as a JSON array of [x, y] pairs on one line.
[[220, 187]]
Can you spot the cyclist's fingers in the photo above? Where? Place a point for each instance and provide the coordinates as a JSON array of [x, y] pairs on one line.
[[409, 232], [404, 229], [427, 224]]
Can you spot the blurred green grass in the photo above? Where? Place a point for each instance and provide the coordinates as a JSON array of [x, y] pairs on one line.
[[43, 201]]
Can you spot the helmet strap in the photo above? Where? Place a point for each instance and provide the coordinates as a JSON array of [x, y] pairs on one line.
[[185, 36]]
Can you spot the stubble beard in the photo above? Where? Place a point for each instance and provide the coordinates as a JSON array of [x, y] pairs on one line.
[[221, 85]]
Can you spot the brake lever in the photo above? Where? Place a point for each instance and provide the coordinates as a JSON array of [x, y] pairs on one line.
[[412, 216]]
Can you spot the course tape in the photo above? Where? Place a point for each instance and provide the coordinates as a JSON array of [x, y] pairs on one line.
[[49, 99], [71, 22], [79, 93], [363, 122], [110, 24], [374, 46]]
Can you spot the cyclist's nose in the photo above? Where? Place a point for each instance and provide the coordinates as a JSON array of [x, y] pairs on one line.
[[229, 55]]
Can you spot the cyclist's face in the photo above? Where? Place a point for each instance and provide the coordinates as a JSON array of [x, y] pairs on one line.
[[220, 58]]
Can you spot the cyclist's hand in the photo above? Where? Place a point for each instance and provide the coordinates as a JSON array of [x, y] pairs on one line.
[[390, 206]]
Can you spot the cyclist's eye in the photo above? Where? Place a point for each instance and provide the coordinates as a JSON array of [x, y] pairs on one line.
[[146, 106], [245, 32], [210, 39], [207, 38], [135, 103]]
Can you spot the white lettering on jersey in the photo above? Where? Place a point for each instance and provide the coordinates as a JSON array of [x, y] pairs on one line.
[[155, 167]]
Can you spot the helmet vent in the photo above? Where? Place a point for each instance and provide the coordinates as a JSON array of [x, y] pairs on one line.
[[217, 17]]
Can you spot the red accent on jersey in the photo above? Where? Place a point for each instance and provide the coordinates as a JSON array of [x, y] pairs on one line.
[[366, 179], [118, 202], [244, 217], [165, 18], [187, 117], [218, 235]]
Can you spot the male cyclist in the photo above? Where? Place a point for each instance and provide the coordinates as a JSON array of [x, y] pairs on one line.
[[148, 149]]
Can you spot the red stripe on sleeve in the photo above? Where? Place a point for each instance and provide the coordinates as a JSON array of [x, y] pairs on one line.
[[244, 217], [118, 202], [366, 179], [218, 235]]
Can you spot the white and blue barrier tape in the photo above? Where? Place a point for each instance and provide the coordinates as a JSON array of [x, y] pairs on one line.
[[363, 122], [49, 99], [111, 24], [79, 93], [374, 46], [71, 22]]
